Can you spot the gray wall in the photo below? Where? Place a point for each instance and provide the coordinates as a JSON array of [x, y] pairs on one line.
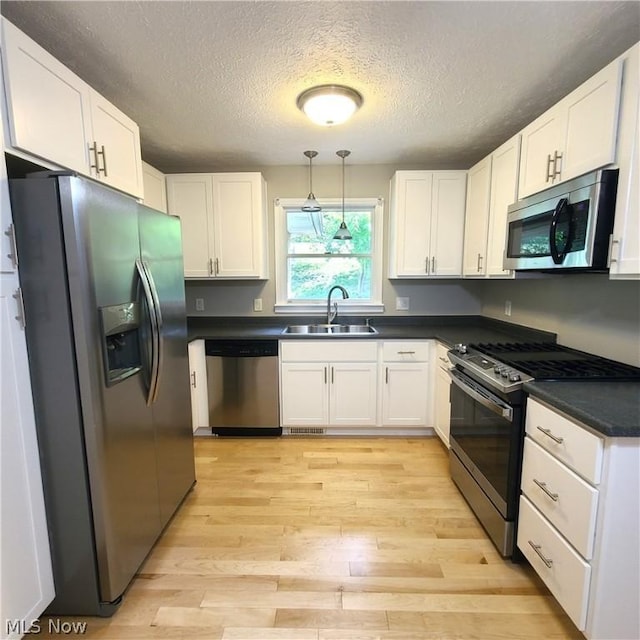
[[236, 298], [587, 311]]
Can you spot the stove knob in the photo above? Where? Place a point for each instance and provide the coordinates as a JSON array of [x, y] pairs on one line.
[[497, 368], [514, 377], [505, 373], [461, 348]]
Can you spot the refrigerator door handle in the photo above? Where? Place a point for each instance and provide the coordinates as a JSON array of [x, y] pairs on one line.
[[159, 340], [153, 318]]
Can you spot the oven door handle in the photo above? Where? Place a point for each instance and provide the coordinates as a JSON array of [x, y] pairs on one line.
[[487, 401]]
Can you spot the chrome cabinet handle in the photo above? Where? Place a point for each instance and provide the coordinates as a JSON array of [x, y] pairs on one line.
[[479, 262], [210, 266], [331, 375], [543, 486], [13, 255], [386, 375], [193, 379], [445, 360], [433, 265], [217, 266], [537, 548], [93, 148], [549, 172], [426, 264], [325, 375], [556, 172], [102, 153], [613, 242], [547, 432], [406, 353], [21, 318]]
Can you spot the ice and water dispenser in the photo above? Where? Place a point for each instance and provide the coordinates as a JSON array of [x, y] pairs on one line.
[[121, 341]]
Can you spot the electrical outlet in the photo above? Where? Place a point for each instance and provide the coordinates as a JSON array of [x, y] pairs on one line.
[[199, 304], [257, 304], [507, 307], [402, 304]]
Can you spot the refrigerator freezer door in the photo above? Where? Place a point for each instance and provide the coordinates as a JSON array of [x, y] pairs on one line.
[[161, 253], [78, 244]]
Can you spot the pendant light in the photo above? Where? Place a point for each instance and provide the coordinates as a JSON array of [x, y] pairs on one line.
[[311, 204], [343, 232]]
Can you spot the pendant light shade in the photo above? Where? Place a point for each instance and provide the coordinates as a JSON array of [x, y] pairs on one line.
[[343, 232], [311, 204], [329, 104]]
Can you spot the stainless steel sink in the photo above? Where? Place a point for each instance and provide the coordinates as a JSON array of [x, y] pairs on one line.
[[330, 329]]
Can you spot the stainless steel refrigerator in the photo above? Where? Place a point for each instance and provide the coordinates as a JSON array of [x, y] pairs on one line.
[[103, 288]]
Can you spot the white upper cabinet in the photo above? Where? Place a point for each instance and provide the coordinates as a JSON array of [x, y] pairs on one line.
[[625, 245], [476, 222], [575, 136], [504, 191], [426, 224], [155, 188], [55, 115], [492, 187], [224, 226]]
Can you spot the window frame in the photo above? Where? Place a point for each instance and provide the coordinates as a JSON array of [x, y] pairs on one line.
[[283, 305]]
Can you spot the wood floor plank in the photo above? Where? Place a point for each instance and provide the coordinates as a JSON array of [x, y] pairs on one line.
[[329, 539]]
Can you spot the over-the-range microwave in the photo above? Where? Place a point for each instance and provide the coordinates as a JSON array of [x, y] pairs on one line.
[[564, 227]]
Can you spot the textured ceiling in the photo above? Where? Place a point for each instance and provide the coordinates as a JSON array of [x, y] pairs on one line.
[[213, 84]]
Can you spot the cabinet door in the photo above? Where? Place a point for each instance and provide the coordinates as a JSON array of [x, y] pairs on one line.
[[592, 123], [504, 191], [155, 189], [443, 404], [447, 223], [476, 220], [190, 196], [304, 393], [405, 394], [198, 382], [410, 233], [48, 105], [352, 397], [26, 581], [117, 152], [239, 225], [540, 140]]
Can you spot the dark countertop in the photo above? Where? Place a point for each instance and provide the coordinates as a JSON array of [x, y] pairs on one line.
[[447, 329], [611, 408]]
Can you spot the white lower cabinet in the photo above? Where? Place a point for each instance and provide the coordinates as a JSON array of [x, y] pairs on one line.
[[404, 383], [442, 384], [198, 382], [328, 383], [579, 521]]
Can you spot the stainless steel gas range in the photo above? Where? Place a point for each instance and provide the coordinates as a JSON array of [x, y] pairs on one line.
[[487, 420]]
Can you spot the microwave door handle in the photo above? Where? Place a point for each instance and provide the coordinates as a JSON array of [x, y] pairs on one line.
[[558, 256], [503, 411]]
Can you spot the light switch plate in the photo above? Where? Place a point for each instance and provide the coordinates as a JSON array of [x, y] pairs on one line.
[[199, 304], [257, 304], [402, 304]]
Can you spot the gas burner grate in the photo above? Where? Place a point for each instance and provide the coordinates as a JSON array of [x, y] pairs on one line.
[[551, 361]]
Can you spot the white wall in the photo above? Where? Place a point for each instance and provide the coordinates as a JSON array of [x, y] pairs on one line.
[[236, 298], [587, 311]]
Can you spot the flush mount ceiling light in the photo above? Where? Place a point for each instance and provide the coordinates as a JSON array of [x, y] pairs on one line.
[[343, 232], [329, 104], [311, 204]]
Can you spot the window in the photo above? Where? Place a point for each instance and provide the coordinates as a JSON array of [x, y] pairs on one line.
[[309, 261]]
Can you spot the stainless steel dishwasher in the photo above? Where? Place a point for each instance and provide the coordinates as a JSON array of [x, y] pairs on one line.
[[242, 383]]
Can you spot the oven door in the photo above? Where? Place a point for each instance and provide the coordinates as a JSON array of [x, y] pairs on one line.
[[486, 436]]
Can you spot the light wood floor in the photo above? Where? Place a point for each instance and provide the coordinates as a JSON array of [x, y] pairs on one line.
[[329, 539]]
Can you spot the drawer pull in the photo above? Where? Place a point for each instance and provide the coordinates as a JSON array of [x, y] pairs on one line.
[[536, 548], [406, 353], [543, 486], [547, 432]]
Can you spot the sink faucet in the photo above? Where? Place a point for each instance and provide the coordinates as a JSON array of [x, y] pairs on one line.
[[332, 314]]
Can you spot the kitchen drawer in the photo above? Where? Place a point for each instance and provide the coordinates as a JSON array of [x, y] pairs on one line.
[[441, 356], [329, 350], [569, 575], [578, 448], [405, 351], [573, 511]]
